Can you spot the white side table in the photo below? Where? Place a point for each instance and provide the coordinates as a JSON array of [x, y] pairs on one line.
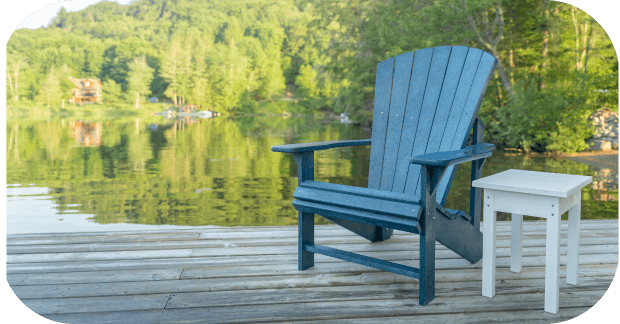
[[539, 194]]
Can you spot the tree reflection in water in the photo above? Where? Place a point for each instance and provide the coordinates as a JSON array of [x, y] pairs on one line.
[[218, 171]]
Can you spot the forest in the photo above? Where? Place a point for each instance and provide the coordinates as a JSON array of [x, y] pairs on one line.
[[556, 63]]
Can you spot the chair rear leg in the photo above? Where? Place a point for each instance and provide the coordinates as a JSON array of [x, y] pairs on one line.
[[427, 267], [306, 236]]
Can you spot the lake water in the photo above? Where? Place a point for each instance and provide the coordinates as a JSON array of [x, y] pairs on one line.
[[66, 175]]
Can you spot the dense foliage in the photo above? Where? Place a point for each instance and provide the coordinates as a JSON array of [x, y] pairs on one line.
[[556, 63]]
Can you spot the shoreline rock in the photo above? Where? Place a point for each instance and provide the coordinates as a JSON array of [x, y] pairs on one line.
[[606, 135]]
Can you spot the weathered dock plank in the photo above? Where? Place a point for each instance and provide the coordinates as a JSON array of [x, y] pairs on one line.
[[61, 278], [335, 310], [114, 275], [265, 250], [281, 297], [362, 292], [88, 256], [100, 239], [242, 231], [249, 274], [515, 316], [397, 240], [97, 304], [278, 281]]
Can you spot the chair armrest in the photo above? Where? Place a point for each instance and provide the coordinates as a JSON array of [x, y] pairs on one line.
[[445, 159], [308, 147]]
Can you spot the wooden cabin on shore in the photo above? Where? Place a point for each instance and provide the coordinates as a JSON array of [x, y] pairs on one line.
[[86, 90]]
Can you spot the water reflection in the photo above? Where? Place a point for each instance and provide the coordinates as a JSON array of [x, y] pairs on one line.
[[604, 184], [182, 118], [220, 171], [86, 134]]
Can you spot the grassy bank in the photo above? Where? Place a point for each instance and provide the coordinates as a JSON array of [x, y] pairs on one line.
[[32, 110], [35, 111]]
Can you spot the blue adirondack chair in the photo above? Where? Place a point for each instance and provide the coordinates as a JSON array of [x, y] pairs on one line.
[[426, 104]]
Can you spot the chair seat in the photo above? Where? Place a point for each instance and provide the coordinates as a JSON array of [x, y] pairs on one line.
[[368, 206]]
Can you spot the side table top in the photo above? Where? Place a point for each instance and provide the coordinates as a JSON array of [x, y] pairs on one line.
[[533, 182]]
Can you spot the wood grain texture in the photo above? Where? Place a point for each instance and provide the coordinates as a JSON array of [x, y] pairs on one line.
[[330, 310], [257, 279]]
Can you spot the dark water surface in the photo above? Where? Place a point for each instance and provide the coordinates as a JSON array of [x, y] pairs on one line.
[[68, 175]]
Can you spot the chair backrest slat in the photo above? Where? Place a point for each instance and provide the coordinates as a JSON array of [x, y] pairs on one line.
[[417, 87], [460, 98], [483, 74], [383, 89], [451, 107], [425, 101], [436, 76], [400, 88]]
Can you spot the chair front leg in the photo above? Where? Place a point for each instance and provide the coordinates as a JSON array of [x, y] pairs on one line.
[[430, 179], [305, 171], [427, 261], [306, 236]]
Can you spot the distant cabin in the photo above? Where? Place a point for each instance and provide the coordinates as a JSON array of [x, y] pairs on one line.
[[86, 90]]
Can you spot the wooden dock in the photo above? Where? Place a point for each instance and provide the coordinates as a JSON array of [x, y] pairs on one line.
[[249, 274]]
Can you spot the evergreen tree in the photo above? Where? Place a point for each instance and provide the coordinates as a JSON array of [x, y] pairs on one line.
[[139, 79], [171, 70], [50, 92]]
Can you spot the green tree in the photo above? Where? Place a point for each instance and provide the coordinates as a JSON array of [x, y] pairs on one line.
[[139, 80], [170, 70], [50, 91], [306, 81], [12, 75], [200, 87], [112, 91], [93, 52]]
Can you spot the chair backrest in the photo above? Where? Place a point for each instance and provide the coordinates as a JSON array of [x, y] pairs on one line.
[[425, 101]]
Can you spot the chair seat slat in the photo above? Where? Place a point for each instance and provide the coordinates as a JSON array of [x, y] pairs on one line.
[[401, 224], [372, 205], [362, 192]]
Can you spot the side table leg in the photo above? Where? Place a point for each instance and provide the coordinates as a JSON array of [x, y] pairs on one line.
[[488, 249], [572, 265], [552, 268], [516, 238]]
